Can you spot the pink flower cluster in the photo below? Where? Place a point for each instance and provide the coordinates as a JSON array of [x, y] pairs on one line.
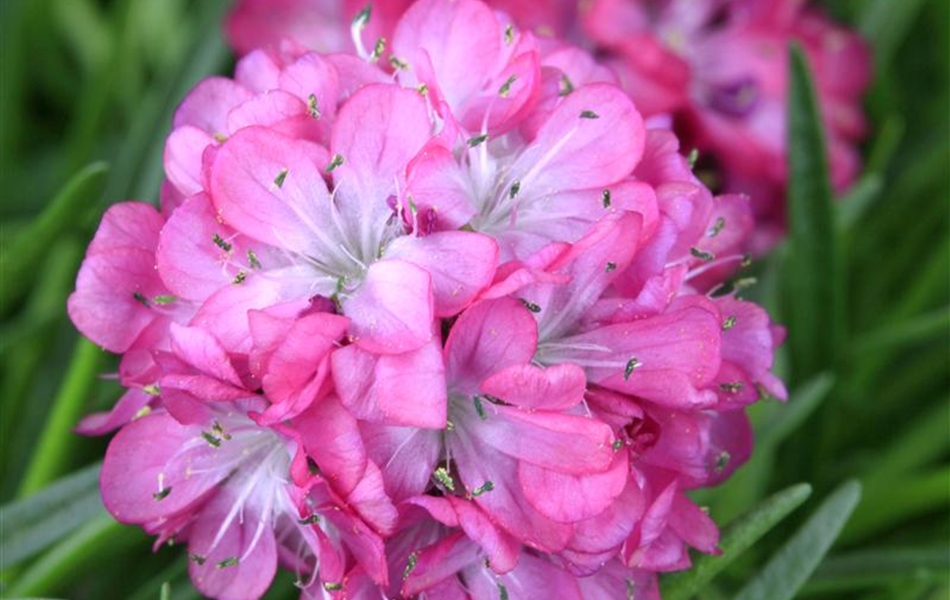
[[440, 318], [713, 70]]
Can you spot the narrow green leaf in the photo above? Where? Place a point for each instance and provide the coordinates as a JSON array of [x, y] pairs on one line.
[[736, 538], [885, 24], [98, 543], [890, 502], [19, 260], [52, 451], [858, 200], [811, 296], [887, 140], [789, 417], [922, 441], [789, 569], [36, 522], [911, 331], [868, 568]]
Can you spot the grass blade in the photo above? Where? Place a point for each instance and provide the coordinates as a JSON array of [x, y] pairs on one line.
[[34, 523], [789, 569], [811, 298], [19, 260]]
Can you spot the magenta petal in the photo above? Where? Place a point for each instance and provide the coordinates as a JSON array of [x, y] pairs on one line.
[[139, 465], [487, 337], [254, 566], [677, 354], [207, 105], [446, 35], [505, 502], [391, 312], [225, 312], [269, 187], [436, 182], [106, 305], [117, 281], [292, 357], [377, 132], [202, 351], [332, 438], [405, 389], [407, 456], [556, 388], [369, 499], [693, 525], [439, 562], [124, 411], [569, 498], [565, 443], [601, 537], [500, 548], [534, 577], [592, 139], [183, 150], [461, 264]]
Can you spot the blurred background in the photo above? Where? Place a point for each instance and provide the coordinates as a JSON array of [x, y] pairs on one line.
[[87, 89]]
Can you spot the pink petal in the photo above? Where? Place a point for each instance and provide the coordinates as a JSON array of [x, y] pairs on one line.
[[183, 150], [676, 354], [439, 562], [461, 264], [225, 312], [488, 337], [407, 455], [332, 438], [292, 358], [207, 105], [201, 350], [565, 443], [569, 498], [139, 465], [125, 410], [391, 312], [405, 389], [436, 182], [442, 36], [534, 577], [377, 132], [559, 387], [250, 577], [500, 548], [269, 187], [592, 139]]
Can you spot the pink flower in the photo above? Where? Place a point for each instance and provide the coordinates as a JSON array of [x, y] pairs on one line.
[[417, 324]]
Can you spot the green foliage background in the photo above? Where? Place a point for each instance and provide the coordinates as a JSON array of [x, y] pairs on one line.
[[87, 90]]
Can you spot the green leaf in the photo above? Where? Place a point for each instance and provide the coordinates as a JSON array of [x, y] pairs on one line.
[[811, 295], [924, 440], [935, 324], [893, 501], [788, 417], [34, 523], [100, 542], [18, 261], [52, 451], [736, 538], [885, 24], [789, 569], [858, 200], [867, 568]]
